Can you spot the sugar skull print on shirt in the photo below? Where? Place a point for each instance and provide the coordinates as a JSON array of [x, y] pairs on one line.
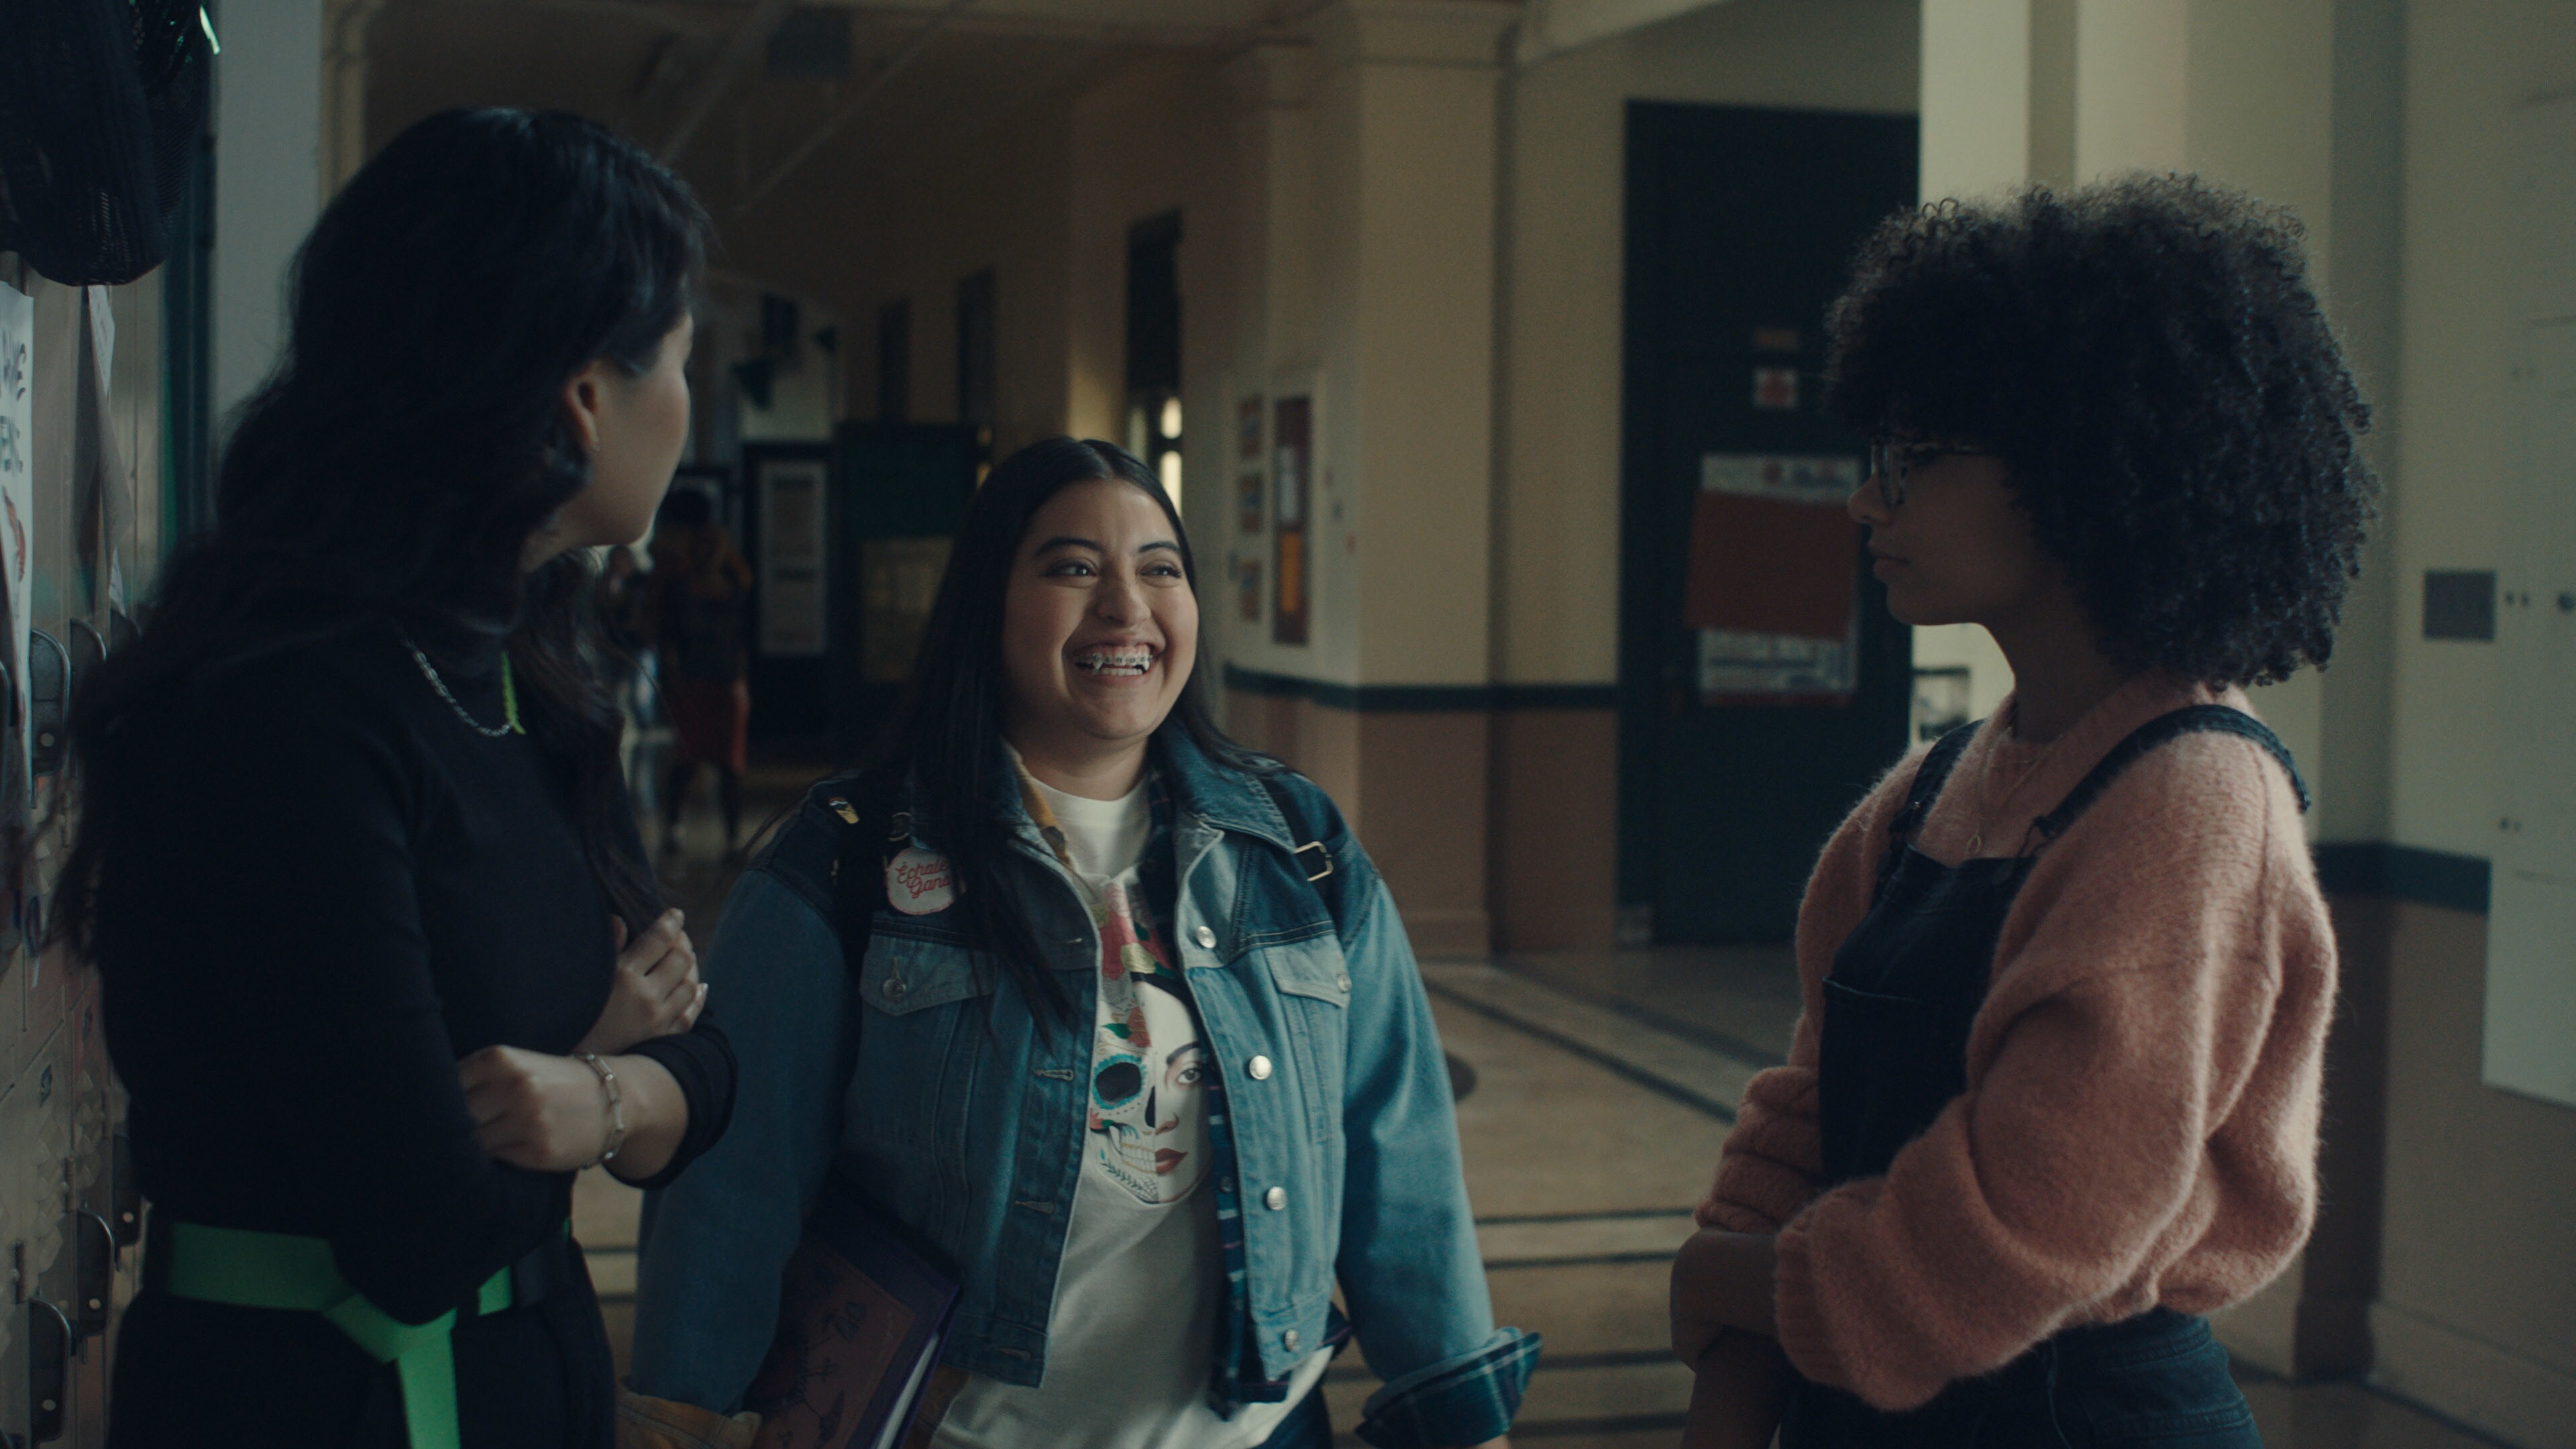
[[1149, 1131]]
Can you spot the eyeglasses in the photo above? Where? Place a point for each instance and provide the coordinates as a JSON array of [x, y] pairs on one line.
[[1889, 462]]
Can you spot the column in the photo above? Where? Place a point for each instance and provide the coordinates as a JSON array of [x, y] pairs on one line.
[[1377, 268]]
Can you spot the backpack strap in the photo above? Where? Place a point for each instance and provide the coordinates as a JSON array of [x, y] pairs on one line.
[[2196, 719], [1313, 858], [873, 831], [1921, 795]]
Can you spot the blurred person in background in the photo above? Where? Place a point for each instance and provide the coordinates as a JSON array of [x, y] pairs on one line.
[[625, 613], [701, 610]]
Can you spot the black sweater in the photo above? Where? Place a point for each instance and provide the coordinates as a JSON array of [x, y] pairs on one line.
[[324, 891]]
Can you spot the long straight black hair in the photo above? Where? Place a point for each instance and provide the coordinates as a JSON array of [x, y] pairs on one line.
[[414, 436], [946, 733]]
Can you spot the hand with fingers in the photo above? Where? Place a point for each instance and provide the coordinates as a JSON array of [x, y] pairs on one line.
[[1723, 1326], [656, 991], [544, 1113]]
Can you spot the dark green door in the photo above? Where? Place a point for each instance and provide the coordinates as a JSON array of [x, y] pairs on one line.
[[1762, 685], [899, 494]]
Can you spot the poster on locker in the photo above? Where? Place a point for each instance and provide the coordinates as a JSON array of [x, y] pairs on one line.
[[17, 484]]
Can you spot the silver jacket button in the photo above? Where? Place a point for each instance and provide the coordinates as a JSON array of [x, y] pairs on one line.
[[1343, 981], [894, 988], [1291, 1340], [1275, 1199], [1206, 939], [1259, 1067]]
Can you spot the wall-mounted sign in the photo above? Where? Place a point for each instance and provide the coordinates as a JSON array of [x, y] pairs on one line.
[[1292, 455], [1772, 585], [794, 498], [1775, 389]]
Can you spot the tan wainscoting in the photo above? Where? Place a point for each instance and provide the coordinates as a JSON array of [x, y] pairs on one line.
[[2476, 1318], [1413, 786], [1556, 829]]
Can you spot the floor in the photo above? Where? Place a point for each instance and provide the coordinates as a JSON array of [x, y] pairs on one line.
[[1603, 1084]]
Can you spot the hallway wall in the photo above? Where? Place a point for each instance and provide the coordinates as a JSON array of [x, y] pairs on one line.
[[2475, 1316], [1557, 465], [1465, 594]]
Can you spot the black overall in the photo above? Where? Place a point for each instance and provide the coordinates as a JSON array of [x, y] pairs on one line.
[[1904, 989]]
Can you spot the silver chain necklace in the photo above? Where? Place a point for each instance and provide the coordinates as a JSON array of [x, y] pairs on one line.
[[509, 700]]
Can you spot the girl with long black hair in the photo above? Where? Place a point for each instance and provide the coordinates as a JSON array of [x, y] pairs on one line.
[[1126, 1027], [381, 958]]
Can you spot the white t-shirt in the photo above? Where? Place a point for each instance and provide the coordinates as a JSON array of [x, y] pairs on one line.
[[1142, 1282]]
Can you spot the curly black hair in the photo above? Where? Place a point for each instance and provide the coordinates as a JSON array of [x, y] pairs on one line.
[[2171, 405]]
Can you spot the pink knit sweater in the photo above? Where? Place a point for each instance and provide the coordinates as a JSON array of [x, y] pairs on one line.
[[2140, 1120]]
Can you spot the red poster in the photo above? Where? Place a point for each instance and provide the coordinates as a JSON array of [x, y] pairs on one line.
[[1763, 566]]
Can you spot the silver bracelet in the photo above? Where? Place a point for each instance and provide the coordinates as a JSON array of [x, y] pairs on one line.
[[616, 1109]]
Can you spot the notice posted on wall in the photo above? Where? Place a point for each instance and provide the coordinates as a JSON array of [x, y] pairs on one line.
[[793, 537], [17, 484], [1771, 579]]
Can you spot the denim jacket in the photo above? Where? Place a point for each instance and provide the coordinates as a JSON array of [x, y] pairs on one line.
[[965, 1117]]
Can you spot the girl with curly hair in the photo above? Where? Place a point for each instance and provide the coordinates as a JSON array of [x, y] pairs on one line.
[[2067, 974]]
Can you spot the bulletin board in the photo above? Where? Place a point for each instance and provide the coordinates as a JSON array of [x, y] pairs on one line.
[[1292, 453]]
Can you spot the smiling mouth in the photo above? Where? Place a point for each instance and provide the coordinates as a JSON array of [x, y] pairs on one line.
[[1123, 662]]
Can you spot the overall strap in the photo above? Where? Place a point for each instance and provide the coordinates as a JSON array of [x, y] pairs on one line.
[[1314, 859], [2196, 719], [1928, 781]]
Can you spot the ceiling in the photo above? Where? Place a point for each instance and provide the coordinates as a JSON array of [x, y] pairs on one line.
[[924, 78]]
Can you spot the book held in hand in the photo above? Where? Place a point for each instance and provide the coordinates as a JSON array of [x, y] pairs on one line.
[[861, 1318]]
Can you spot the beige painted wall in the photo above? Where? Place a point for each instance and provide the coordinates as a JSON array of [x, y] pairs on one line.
[[1419, 369], [2468, 65], [2476, 1316], [1557, 490]]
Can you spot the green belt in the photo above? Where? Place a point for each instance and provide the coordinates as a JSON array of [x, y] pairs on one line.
[[280, 1270]]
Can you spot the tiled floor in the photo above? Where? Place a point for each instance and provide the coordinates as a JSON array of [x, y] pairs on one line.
[[1604, 1085]]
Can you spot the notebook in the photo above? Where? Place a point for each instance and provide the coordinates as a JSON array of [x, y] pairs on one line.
[[862, 1316]]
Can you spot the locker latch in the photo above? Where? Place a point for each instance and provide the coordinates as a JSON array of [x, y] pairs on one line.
[[48, 690], [124, 1192], [49, 1371], [97, 1271]]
